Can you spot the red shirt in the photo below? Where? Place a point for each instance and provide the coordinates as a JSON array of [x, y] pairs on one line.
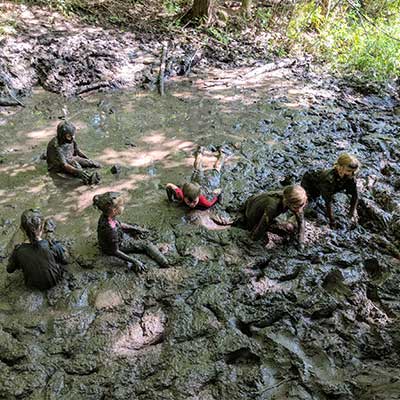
[[203, 202]]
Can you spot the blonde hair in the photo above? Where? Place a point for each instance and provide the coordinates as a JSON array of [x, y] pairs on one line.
[[191, 191], [294, 195], [348, 161]]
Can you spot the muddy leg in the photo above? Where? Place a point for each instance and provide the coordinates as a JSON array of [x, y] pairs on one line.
[[219, 162], [140, 246]]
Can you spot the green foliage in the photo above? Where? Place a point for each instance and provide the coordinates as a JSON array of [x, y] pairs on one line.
[[263, 15], [219, 34], [357, 40], [172, 6]]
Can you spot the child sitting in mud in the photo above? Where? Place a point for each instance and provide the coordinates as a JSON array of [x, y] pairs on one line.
[[261, 210], [64, 155], [110, 233], [328, 182], [190, 193], [41, 260]]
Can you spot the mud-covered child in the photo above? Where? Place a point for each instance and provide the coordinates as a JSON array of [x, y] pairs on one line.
[[190, 194], [115, 237], [41, 261], [327, 182], [64, 155]]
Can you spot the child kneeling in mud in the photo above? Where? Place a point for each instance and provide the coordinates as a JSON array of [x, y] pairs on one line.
[[190, 193], [327, 182], [41, 260], [261, 210], [110, 233]]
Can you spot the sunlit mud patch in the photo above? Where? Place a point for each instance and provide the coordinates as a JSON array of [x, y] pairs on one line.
[[265, 285], [208, 219], [147, 331]]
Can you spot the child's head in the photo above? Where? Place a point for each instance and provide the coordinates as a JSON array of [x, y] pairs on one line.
[[109, 203], [65, 132], [347, 165], [191, 193], [32, 223], [295, 198]]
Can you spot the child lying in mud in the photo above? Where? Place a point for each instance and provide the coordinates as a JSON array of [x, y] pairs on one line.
[[190, 193], [328, 182], [261, 210], [110, 233], [41, 260], [64, 155]]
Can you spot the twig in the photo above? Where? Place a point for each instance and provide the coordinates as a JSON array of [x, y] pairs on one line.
[[269, 67], [274, 386], [14, 98], [162, 69]]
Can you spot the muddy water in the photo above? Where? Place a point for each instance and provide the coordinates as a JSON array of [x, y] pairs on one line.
[[230, 318]]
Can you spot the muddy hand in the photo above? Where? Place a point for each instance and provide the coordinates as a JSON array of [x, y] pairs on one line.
[[136, 266]]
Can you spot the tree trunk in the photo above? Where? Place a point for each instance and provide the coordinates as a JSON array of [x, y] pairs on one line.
[[202, 9], [246, 7]]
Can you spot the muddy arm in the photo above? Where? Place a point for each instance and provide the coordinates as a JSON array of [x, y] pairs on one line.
[[171, 191], [79, 153], [353, 204], [139, 267], [13, 264], [68, 168], [134, 229], [260, 230], [329, 212], [300, 226]]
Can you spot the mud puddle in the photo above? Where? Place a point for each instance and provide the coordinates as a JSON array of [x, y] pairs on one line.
[[230, 319]]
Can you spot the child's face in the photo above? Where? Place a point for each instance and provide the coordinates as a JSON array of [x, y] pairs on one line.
[[298, 208], [117, 210], [191, 203], [69, 137], [345, 171]]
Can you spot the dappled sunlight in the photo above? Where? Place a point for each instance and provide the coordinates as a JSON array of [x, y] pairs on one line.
[[23, 168], [139, 157], [83, 195], [37, 189]]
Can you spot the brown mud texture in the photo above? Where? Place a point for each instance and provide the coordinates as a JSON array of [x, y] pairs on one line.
[[230, 319]]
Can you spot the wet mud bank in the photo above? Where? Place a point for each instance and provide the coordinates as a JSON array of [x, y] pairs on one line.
[[230, 319]]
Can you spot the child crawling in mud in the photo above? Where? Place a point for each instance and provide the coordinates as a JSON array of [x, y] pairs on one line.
[[112, 236], [261, 210], [327, 182], [64, 155], [190, 193], [41, 260]]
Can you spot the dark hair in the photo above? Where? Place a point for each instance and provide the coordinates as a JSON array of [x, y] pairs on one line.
[[32, 223], [191, 191], [107, 200], [63, 128]]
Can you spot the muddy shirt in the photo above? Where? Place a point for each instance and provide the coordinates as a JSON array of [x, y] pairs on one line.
[[327, 182], [109, 234], [203, 203], [265, 206], [40, 263], [58, 155]]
